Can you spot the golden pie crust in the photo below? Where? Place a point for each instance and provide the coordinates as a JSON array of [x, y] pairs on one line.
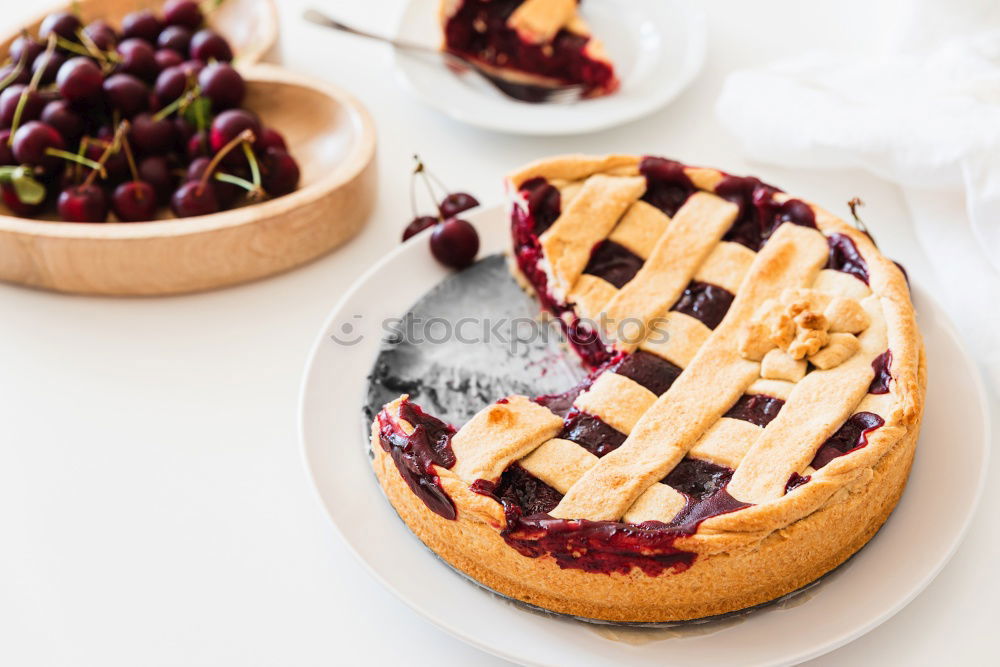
[[787, 308]]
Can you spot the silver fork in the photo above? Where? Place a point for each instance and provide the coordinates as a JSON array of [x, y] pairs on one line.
[[459, 65]]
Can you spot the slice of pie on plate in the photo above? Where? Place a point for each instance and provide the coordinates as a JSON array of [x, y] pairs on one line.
[[753, 408], [528, 43]]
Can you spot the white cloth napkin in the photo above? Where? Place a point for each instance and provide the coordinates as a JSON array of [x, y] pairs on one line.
[[926, 114]]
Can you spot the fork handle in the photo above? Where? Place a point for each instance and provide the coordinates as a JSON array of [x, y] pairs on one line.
[[319, 18]]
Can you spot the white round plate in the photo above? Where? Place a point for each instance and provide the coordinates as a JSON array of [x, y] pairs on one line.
[[904, 557], [658, 46]]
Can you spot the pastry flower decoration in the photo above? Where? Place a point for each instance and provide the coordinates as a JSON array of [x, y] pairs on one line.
[[803, 325]]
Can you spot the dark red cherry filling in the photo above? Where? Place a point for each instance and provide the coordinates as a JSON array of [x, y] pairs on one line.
[[479, 30], [416, 453], [610, 546], [613, 262], [795, 481], [528, 252], [519, 488], [759, 214], [757, 409], [849, 437], [651, 371], [667, 186], [591, 433], [844, 256], [880, 383], [705, 302], [562, 404], [544, 203]]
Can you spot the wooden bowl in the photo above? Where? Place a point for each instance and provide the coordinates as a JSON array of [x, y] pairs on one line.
[[250, 26], [328, 132]]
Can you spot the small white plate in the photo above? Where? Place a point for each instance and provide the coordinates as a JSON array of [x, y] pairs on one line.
[[919, 538], [658, 47]]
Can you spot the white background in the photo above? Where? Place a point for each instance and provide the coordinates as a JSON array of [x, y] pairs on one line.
[[154, 509]]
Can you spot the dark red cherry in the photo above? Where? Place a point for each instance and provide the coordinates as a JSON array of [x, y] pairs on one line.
[[83, 203], [6, 154], [457, 202], [64, 24], [228, 124], [279, 172], [27, 46], [192, 68], [23, 77], [167, 58], [206, 45], [194, 198], [138, 59], [156, 171], [183, 131], [142, 24], [102, 34], [79, 79], [197, 145], [455, 243], [67, 122], [175, 37], [133, 201], [269, 138], [150, 136], [9, 98], [185, 13], [127, 94], [32, 140], [419, 224], [225, 193], [49, 64], [170, 85], [16, 206], [223, 85]]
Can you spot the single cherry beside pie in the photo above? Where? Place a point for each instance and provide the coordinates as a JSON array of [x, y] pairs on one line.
[[749, 430], [528, 44]]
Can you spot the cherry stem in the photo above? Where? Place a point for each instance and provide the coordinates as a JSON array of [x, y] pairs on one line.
[[209, 6], [130, 158], [254, 168], [32, 86], [112, 147], [420, 169], [244, 136], [185, 99], [77, 159], [235, 180], [854, 204], [16, 72]]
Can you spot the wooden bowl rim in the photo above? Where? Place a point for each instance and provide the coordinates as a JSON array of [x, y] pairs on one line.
[[247, 58], [359, 157]]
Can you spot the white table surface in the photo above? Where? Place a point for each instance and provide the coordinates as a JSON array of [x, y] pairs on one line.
[[153, 503]]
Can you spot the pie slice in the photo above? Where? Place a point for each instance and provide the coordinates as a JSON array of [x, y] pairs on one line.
[[753, 408], [528, 44]]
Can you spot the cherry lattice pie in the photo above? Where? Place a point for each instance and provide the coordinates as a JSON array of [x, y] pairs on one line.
[[528, 44], [754, 447]]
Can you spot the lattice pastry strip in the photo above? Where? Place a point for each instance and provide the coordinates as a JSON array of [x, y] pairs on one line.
[[499, 435], [587, 220]]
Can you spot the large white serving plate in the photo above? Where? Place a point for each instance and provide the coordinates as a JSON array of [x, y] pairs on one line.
[[919, 538]]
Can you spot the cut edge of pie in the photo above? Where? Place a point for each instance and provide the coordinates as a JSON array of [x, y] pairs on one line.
[[723, 467], [541, 43]]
